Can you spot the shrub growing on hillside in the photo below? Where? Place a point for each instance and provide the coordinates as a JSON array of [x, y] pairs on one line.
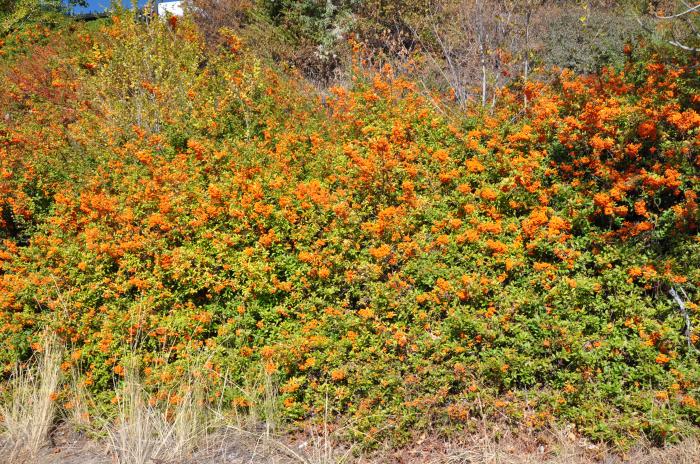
[[417, 270]]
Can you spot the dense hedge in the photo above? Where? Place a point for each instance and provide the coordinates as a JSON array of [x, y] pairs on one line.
[[407, 267]]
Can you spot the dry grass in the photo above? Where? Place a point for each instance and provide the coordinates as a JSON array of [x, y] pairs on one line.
[[557, 447], [553, 447], [189, 428], [686, 452], [142, 432], [29, 413], [319, 445], [132, 437], [77, 413], [256, 431]]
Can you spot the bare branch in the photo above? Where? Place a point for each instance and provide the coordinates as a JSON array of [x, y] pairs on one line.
[[678, 15], [674, 42], [686, 316]]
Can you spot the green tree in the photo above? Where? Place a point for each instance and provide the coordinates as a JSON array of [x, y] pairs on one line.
[[15, 12]]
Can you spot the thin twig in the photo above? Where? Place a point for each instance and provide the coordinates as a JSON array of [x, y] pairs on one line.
[[686, 316]]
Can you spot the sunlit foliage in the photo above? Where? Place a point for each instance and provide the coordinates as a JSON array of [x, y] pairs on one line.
[[417, 268]]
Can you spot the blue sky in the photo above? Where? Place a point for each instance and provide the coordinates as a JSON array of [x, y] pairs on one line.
[[102, 5]]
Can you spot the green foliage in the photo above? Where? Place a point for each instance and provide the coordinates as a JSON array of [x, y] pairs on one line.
[[586, 41], [15, 13]]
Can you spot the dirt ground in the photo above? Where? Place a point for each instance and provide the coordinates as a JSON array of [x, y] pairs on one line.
[[235, 448]]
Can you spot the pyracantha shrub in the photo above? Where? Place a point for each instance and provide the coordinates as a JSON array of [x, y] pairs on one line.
[[406, 267]]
